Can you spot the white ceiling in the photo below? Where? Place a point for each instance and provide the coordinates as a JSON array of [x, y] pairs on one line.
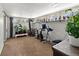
[[31, 10]]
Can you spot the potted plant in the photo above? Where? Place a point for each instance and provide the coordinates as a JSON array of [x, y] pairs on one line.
[[72, 29], [19, 29]]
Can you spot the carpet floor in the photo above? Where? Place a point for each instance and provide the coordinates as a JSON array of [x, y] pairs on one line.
[[26, 46]]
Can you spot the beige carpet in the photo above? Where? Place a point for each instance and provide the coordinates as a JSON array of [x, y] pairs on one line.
[[26, 46]]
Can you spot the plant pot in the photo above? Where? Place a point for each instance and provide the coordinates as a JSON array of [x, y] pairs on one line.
[[74, 41]]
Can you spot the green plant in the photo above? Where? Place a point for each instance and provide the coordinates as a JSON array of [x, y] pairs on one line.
[[72, 26], [19, 29]]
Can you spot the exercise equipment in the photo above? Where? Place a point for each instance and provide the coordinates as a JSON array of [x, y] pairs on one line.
[[44, 33]]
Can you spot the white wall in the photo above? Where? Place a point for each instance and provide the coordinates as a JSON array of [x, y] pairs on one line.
[[7, 27], [1, 30], [58, 32]]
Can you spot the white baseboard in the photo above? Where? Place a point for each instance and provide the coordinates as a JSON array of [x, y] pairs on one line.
[[1, 48]]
